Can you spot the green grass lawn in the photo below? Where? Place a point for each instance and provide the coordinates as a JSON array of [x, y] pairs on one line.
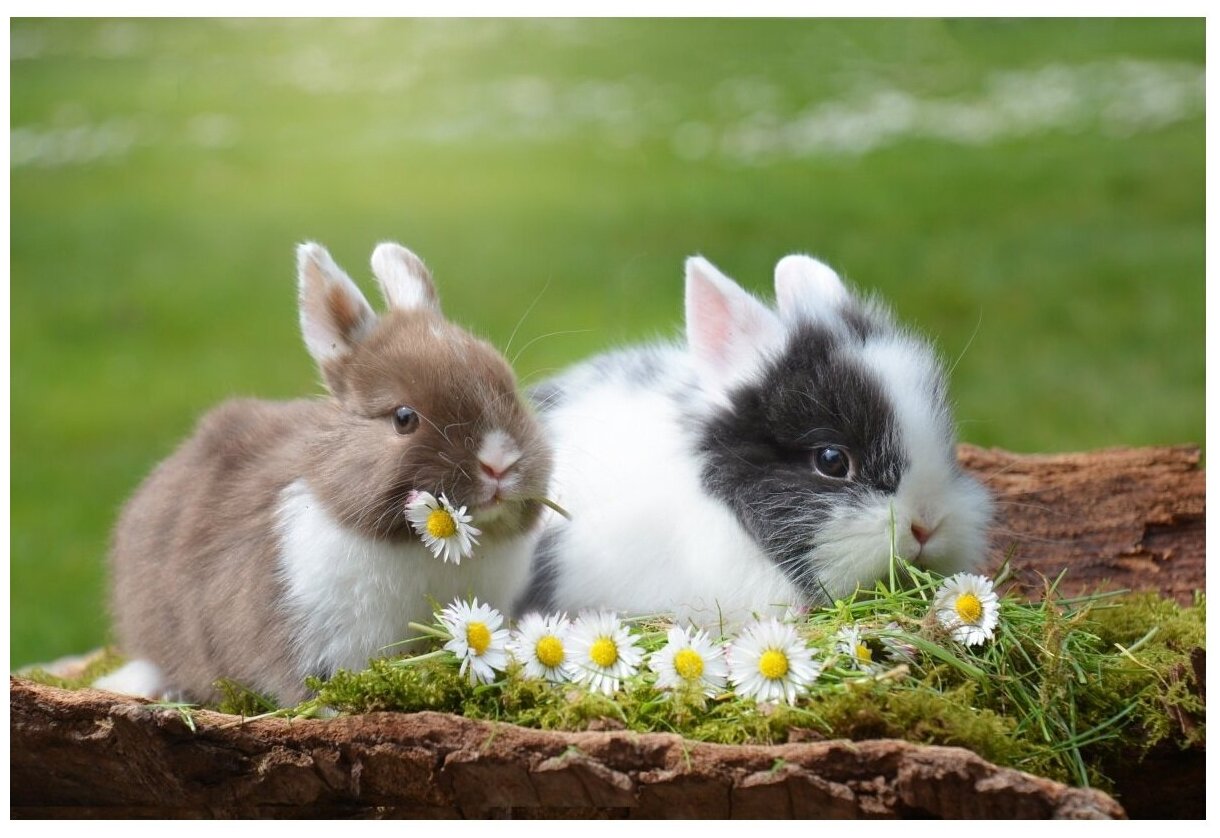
[[1031, 194]]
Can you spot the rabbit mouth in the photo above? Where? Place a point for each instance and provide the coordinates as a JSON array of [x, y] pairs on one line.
[[496, 508]]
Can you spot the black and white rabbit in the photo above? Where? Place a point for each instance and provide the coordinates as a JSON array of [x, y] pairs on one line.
[[765, 464]]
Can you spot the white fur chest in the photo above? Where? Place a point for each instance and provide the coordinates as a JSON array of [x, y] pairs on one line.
[[645, 537], [348, 596]]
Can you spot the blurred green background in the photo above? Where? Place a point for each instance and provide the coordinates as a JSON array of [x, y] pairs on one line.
[[1029, 193]]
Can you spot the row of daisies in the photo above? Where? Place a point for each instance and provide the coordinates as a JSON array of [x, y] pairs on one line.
[[767, 660]]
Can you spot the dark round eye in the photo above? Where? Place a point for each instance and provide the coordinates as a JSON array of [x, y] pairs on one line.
[[832, 461], [406, 420]]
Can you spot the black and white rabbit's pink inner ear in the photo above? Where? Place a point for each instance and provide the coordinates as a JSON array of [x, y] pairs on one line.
[[730, 333], [334, 314], [404, 279], [807, 289]]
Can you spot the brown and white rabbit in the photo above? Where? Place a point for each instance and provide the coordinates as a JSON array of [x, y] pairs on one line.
[[273, 543]]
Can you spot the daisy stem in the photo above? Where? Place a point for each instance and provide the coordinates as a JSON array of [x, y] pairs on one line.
[[547, 502], [893, 549], [427, 656], [430, 631]]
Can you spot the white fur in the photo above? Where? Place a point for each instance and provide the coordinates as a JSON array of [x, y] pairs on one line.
[[730, 333], [805, 287], [137, 677], [317, 276], [644, 536], [403, 278], [499, 451], [349, 596]]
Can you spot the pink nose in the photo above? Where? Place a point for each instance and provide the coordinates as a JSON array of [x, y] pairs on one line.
[[491, 471], [922, 534]]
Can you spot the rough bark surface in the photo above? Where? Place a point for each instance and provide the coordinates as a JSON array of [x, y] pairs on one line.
[[90, 753], [1120, 518]]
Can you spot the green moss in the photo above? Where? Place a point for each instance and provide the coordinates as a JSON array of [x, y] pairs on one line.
[[239, 700], [1155, 677], [1053, 693], [385, 685], [1066, 688], [104, 663]]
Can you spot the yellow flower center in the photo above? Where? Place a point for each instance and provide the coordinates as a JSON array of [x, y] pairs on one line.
[[478, 637], [864, 653], [603, 652], [688, 664], [549, 651], [773, 664], [441, 524], [968, 608]]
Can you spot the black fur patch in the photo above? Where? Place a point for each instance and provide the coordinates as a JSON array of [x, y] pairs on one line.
[[759, 453], [540, 592]]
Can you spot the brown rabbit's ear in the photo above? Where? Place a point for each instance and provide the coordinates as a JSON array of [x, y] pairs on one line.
[[334, 314], [403, 278]]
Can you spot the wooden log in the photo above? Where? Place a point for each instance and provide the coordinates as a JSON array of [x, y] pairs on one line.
[[1129, 518], [91, 753], [1123, 518]]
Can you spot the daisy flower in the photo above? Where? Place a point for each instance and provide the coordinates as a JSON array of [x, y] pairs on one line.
[[690, 659], [968, 607], [603, 652], [477, 639], [768, 661], [543, 646], [850, 641], [445, 531]]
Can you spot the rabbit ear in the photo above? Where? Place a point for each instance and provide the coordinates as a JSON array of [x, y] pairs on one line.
[[807, 288], [403, 278], [729, 332], [334, 314]]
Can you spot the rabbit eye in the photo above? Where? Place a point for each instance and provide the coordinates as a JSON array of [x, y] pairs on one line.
[[833, 462], [406, 420]]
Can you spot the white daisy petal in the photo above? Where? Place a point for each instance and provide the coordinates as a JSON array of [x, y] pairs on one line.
[[690, 659], [476, 639], [967, 605], [543, 646], [603, 651], [769, 662], [444, 529], [850, 641]]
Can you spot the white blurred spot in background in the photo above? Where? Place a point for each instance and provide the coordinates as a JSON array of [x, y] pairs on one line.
[[429, 86]]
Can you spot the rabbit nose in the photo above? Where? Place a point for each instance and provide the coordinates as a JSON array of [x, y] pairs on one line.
[[921, 533], [492, 471], [498, 454]]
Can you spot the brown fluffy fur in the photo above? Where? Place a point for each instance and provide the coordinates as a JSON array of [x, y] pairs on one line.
[[194, 560]]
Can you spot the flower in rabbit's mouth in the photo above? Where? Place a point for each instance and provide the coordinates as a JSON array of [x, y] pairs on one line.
[[477, 639], [968, 607], [769, 662], [444, 529], [690, 659]]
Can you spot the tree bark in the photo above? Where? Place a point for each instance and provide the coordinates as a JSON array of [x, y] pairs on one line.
[[1130, 518], [1123, 518], [91, 753]]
